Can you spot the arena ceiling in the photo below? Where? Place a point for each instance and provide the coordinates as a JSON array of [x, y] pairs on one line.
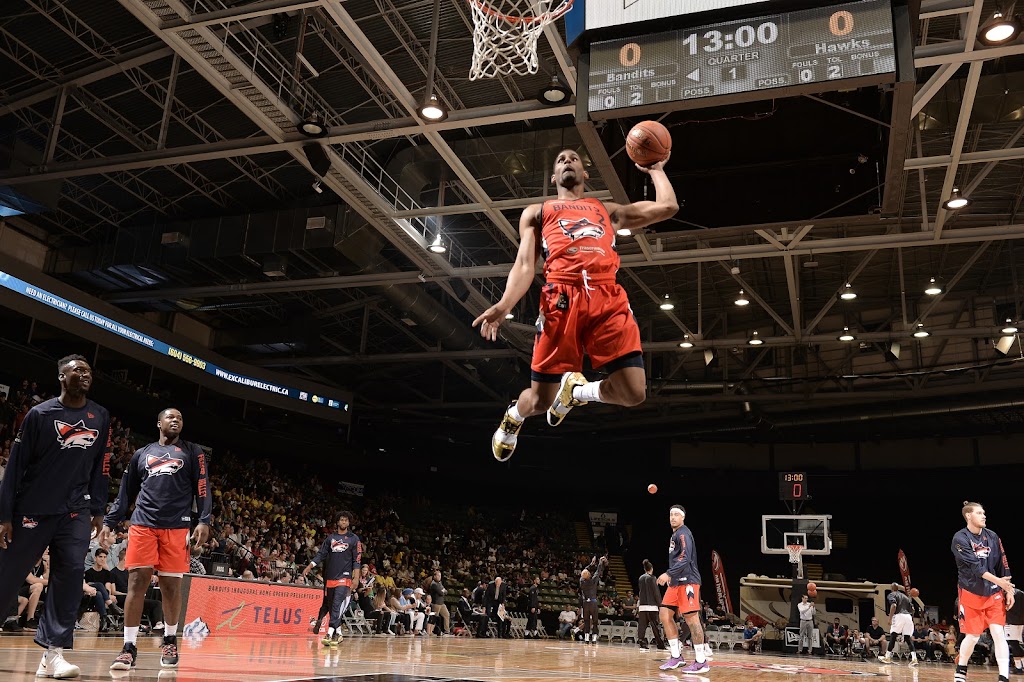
[[158, 142]]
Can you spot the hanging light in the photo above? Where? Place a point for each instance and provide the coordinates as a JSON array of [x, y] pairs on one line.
[[755, 340], [920, 332], [933, 288], [510, 316], [623, 232], [999, 29], [742, 299], [956, 201], [437, 246], [667, 303], [554, 93], [848, 293], [317, 188], [313, 127], [1010, 327], [686, 342], [846, 335], [433, 110]]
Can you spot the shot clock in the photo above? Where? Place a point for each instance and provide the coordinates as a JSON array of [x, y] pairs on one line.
[[793, 486], [832, 47]]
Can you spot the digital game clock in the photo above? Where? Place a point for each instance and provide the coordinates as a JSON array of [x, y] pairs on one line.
[[793, 486], [838, 46]]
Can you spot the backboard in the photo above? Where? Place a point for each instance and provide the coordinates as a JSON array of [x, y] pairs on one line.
[[813, 531]]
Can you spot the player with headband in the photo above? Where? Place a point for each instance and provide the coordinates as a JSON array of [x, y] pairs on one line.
[[683, 594]]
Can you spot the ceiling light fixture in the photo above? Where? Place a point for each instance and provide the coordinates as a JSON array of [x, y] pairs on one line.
[[848, 293], [742, 299], [667, 304], [755, 340], [956, 201], [933, 288], [437, 246], [999, 29], [317, 188], [1010, 327], [920, 332], [313, 127], [686, 342], [554, 93], [433, 110], [847, 335], [623, 232]]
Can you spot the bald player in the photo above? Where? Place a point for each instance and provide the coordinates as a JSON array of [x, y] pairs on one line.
[[583, 311], [590, 578]]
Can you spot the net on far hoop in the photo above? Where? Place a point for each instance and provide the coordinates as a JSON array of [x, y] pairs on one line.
[[505, 34], [794, 553]]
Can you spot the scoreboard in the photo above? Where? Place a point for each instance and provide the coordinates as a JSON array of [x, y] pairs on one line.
[[824, 48]]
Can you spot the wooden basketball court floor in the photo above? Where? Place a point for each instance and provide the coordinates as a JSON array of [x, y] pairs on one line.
[[405, 659]]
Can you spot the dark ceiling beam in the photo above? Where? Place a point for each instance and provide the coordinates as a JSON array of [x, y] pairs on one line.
[[387, 358], [265, 144], [247, 11]]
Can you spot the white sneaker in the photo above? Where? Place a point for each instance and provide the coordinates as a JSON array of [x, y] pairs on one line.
[[709, 652], [55, 666], [503, 442], [885, 659], [563, 399]]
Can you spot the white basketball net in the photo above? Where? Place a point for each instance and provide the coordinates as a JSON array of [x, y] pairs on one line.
[[794, 553], [505, 34]]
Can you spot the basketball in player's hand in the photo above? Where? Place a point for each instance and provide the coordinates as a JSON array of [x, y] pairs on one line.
[[652, 488], [648, 143]]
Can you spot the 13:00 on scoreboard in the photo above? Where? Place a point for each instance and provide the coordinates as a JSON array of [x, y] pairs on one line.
[[801, 48]]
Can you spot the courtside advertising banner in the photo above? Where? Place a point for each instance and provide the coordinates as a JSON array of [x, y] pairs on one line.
[[229, 606], [721, 586], [901, 559]]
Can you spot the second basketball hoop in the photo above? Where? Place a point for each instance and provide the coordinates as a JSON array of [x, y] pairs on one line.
[[505, 34]]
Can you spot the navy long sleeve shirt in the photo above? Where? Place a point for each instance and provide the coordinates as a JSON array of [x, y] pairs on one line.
[[59, 463]]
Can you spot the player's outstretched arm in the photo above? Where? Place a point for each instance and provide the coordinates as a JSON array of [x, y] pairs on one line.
[[644, 213], [519, 278]]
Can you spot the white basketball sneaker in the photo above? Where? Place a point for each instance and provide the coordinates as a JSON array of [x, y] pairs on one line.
[[53, 665]]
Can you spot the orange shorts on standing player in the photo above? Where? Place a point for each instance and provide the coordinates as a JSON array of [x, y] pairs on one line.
[[977, 612], [577, 319], [165, 549], [683, 598]]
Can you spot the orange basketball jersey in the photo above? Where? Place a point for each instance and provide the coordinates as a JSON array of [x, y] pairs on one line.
[[577, 235]]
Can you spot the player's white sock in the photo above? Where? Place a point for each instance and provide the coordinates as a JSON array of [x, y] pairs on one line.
[[673, 647], [707, 650], [513, 412], [1001, 650], [170, 630], [330, 632], [698, 653], [131, 635], [589, 393]]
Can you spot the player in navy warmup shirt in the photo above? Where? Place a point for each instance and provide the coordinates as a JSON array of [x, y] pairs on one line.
[[56, 481], [341, 556], [683, 594], [163, 479], [983, 578]]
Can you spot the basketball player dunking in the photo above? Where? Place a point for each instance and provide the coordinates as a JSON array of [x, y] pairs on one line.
[[983, 578], [582, 309], [683, 594]]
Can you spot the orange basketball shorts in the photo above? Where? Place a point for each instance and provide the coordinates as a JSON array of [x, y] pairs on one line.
[[684, 598], [576, 321], [977, 612], [165, 549]]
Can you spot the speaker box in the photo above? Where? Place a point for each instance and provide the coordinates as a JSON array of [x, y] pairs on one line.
[[317, 158]]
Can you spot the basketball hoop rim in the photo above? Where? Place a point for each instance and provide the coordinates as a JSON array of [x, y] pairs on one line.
[[546, 17], [794, 552]]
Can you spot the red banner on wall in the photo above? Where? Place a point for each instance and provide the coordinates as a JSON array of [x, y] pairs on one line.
[[721, 587], [901, 559], [243, 607]]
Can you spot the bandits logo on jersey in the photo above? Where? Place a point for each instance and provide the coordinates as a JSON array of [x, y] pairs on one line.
[[76, 435], [338, 545], [578, 229], [163, 465], [980, 551]]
